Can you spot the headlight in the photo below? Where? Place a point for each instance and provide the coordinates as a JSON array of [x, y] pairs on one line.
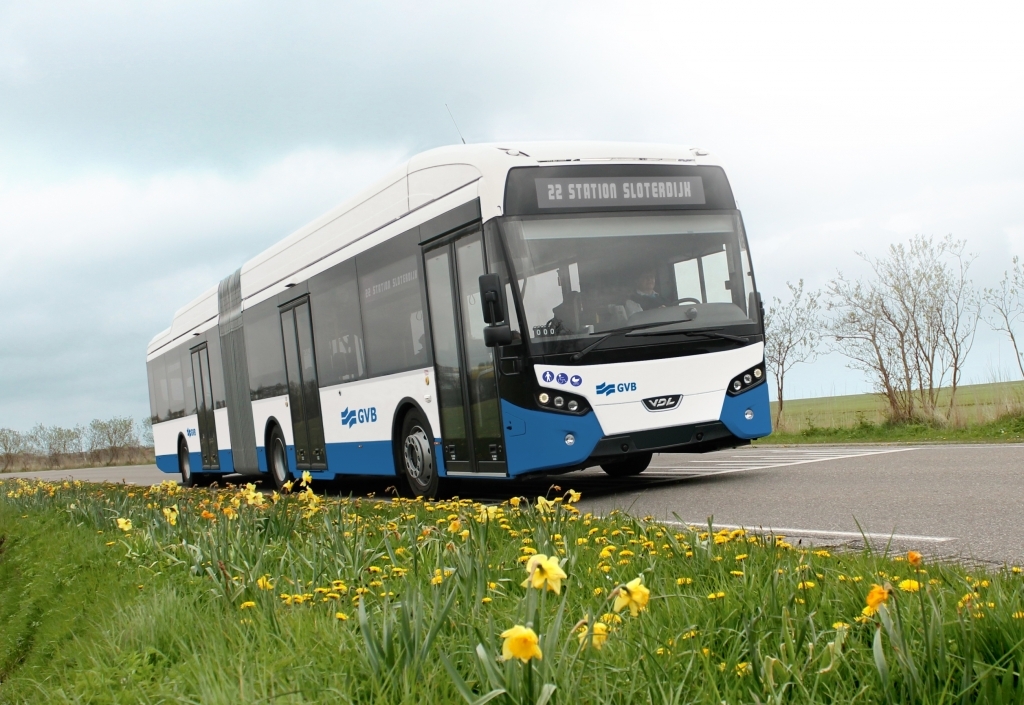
[[746, 380]]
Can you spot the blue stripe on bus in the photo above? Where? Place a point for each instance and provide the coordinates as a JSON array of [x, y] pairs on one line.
[[261, 458], [227, 461], [734, 408], [535, 440], [167, 463], [360, 458]]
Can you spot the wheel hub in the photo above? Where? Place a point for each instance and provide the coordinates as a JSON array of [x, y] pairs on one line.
[[419, 462]]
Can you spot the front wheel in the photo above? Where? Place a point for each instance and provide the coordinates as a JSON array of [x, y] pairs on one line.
[[416, 457], [188, 478], [633, 465]]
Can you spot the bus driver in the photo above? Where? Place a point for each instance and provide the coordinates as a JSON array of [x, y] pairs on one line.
[[645, 297]]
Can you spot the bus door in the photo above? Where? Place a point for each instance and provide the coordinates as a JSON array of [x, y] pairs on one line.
[[204, 406], [467, 392], [303, 387]]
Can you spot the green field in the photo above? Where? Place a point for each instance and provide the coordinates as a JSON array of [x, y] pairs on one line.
[[982, 413], [120, 594]]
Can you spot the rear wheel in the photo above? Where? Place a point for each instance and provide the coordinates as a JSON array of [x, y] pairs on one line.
[[633, 465], [188, 478], [416, 457], [277, 458]]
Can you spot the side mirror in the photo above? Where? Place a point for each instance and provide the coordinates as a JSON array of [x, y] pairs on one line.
[[492, 296], [497, 335]]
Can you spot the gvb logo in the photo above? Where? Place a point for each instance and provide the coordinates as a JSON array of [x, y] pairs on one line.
[[606, 389], [190, 432], [350, 417]]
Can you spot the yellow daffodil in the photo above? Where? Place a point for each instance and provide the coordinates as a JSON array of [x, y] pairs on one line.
[[876, 596], [574, 496], [545, 505], [521, 643], [208, 515], [171, 515], [515, 502], [124, 524], [597, 637], [307, 479], [632, 595], [543, 571], [287, 487]]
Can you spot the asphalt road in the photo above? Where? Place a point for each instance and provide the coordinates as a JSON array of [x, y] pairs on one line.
[[944, 500]]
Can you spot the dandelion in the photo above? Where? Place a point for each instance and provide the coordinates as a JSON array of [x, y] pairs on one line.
[[914, 558], [876, 596], [806, 584], [485, 600], [521, 643], [741, 557], [684, 581], [111, 543], [840, 625], [632, 595], [544, 572], [910, 586], [598, 591], [689, 635], [247, 605], [124, 524], [437, 579], [341, 616], [596, 635], [1018, 615], [716, 596], [264, 583]]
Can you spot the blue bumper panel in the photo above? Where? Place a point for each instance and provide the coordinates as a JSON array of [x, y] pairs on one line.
[[261, 458], [227, 461], [366, 458], [442, 471], [735, 408], [167, 463], [535, 440]]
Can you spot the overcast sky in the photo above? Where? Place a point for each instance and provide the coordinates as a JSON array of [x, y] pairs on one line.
[[148, 149]]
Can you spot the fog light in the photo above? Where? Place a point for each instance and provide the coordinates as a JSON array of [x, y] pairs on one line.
[[569, 439], [573, 405], [757, 373], [748, 414], [543, 397], [747, 379], [559, 402], [737, 386]]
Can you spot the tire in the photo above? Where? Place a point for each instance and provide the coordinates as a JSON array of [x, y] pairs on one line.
[[188, 477], [633, 465], [277, 458], [416, 458]]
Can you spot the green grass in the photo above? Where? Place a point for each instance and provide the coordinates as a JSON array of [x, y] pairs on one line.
[[982, 413], [426, 589]]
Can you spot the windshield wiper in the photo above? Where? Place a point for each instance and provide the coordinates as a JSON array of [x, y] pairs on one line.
[[705, 333], [608, 334]]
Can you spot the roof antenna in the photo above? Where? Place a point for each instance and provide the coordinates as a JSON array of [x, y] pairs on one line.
[[455, 123]]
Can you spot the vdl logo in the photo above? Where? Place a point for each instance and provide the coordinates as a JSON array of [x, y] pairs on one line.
[[606, 389], [350, 417]]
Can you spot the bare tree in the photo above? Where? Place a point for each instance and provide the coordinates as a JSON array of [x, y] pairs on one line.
[[791, 335], [12, 444], [116, 436], [911, 325], [1005, 305]]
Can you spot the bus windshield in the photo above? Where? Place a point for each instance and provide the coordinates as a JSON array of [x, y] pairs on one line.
[[580, 275]]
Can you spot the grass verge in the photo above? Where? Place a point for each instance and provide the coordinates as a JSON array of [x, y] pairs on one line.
[[1006, 429], [302, 598]]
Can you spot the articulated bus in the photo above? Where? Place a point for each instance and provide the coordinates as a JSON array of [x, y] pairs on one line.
[[485, 311]]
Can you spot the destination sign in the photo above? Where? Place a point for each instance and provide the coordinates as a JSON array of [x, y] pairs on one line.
[[620, 191]]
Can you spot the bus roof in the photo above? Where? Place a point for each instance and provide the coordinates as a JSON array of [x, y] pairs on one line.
[[425, 178]]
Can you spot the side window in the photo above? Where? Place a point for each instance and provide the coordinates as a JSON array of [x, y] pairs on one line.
[[265, 351], [216, 370], [187, 380], [716, 276], [688, 280], [391, 304], [496, 264], [158, 401], [176, 391], [337, 329]]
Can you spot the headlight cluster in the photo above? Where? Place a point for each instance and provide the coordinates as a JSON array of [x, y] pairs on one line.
[[747, 380], [552, 400]]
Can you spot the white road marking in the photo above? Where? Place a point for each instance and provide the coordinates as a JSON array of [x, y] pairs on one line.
[[780, 531], [759, 460]]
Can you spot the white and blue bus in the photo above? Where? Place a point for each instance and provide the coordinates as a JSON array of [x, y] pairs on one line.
[[484, 311]]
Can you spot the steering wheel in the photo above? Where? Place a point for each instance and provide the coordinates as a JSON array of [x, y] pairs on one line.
[[688, 300]]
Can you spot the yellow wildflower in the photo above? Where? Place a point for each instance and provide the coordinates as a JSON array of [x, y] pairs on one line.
[[914, 558], [307, 479], [341, 616], [247, 605], [716, 596], [574, 496], [632, 595], [521, 643], [264, 583], [171, 515], [124, 524], [229, 512], [597, 635], [515, 501], [806, 584], [544, 571], [876, 596], [684, 581], [910, 586], [544, 505], [743, 668], [737, 573], [1018, 615], [741, 557]]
